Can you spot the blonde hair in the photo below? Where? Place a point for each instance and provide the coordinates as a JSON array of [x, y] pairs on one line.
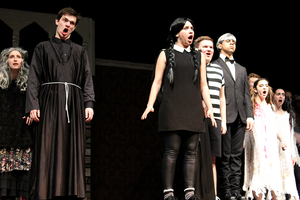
[[200, 39], [5, 78], [253, 75]]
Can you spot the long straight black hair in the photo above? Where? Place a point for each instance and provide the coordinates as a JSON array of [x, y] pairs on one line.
[[175, 28]]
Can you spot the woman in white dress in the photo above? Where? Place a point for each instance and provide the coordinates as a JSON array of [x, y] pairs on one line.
[[262, 167], [285, 125]]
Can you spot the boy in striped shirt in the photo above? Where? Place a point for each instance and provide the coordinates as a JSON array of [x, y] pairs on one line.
[[216, 84]]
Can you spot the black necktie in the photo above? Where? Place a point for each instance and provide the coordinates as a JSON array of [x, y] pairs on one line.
[[228, 60]]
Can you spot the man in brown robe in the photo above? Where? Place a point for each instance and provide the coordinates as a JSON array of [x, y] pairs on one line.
[[60, 99]]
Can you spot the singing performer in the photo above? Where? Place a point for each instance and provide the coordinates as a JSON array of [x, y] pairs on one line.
[[285, 122], [262, 165], [216, 84], [181, 70], [60, 100]]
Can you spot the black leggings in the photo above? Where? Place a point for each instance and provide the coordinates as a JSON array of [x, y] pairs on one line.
[[174, 140]]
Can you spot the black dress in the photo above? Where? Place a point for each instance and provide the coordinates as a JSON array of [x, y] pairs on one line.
[[181, 109], [15, 143], [61, 88], [181, 106]]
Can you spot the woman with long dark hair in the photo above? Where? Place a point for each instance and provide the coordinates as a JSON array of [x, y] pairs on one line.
[[181, 71], [285, 122]]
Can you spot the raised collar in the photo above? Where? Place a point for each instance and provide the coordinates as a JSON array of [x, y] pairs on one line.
[[181, 49], [57, 40]]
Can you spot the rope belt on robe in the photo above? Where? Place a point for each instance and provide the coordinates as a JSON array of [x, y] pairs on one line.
[[67, 93]]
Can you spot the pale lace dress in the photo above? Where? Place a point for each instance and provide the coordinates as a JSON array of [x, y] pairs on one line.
[[287, 168], [262, 167]]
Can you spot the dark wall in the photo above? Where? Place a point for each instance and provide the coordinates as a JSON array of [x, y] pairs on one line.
[[126, 152]]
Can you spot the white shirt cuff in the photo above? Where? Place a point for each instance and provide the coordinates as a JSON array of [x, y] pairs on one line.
[[250, 119]]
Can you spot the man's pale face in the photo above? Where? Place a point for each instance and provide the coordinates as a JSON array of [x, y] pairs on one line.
[[65, 26], [227, 47], [207, 48]]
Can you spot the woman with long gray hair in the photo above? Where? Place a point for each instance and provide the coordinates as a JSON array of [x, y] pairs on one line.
[[15, 136]]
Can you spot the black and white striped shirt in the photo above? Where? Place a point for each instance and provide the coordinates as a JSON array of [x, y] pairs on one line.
[[215, 79]]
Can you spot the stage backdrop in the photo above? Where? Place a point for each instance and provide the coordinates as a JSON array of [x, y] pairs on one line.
[[126, 152]]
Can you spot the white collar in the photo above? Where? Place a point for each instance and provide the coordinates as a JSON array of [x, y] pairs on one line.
[[222, 56], [181, 49]]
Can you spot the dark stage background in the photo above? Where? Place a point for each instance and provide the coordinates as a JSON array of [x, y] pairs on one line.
[[267, 34], [126, 152]]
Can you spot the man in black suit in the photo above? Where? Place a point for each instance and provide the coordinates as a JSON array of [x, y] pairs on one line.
[[239, 115]]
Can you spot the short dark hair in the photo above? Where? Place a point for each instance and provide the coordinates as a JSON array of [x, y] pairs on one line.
[[69, 11]]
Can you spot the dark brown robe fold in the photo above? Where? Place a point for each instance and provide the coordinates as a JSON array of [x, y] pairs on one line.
[[58, 161]]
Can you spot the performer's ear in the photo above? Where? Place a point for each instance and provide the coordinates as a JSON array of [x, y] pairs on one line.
[[220, 46], [56, 21], [255, 90]]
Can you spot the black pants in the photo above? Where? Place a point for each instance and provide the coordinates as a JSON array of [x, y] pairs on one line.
[[230, 163], [175, 140]]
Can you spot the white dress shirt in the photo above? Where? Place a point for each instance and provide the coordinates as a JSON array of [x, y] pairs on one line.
[[230, 66]]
